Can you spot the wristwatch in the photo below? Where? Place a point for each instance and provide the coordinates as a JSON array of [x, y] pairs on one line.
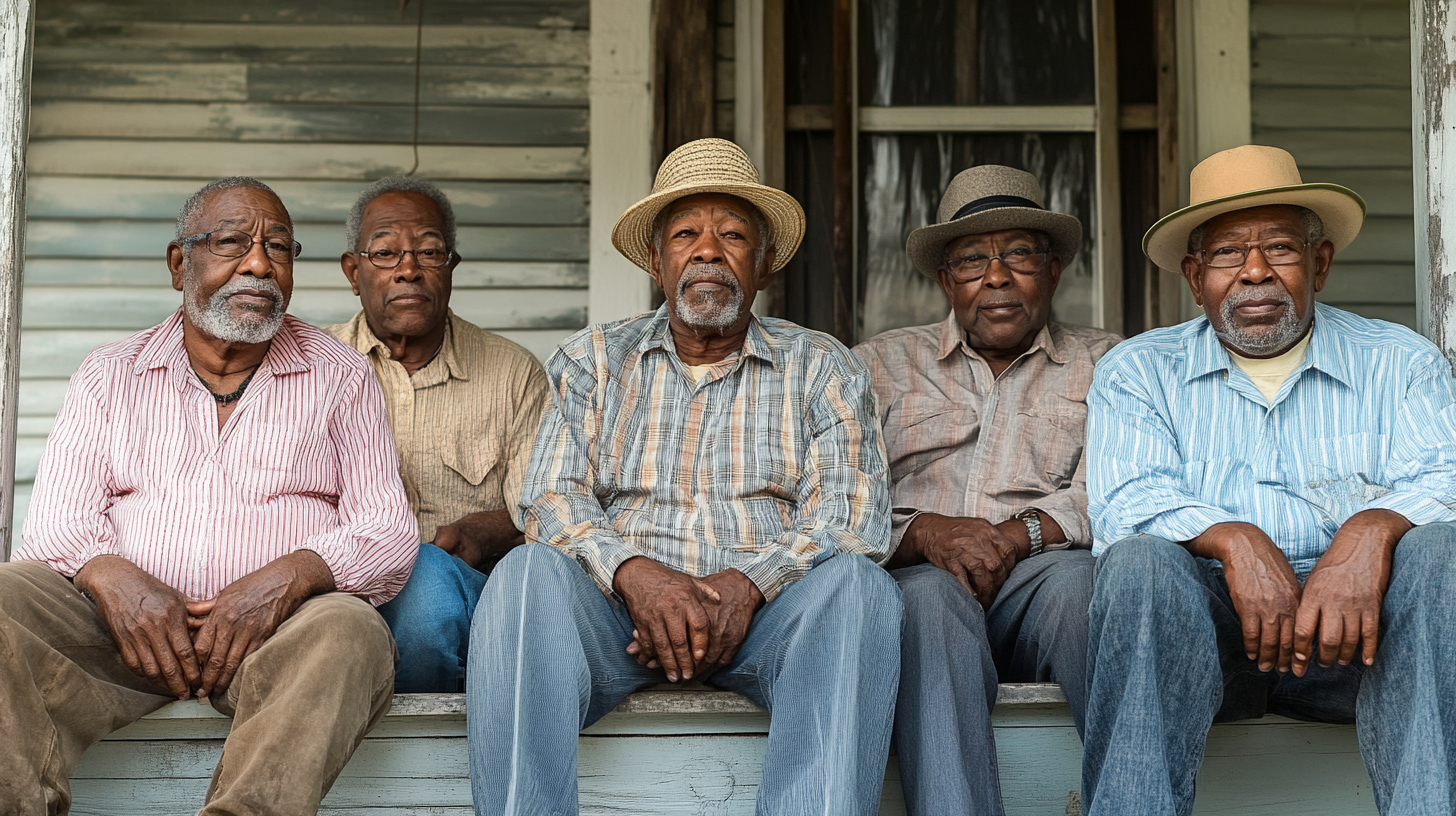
[[1031, 517]]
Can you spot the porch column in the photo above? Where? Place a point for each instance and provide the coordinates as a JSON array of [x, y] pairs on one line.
[[16, 22], [1433, 142]]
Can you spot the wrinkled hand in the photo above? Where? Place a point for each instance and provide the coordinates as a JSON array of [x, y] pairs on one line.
[[1265, 592], [147, 619], [973, 550], [248, 611], [480, 539], [668, 608], [1343, 594], [728, 621]]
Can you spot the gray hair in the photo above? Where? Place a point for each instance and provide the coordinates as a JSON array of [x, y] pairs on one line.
[[192, 210], [1314, 229], [760, 224], [397, 184]]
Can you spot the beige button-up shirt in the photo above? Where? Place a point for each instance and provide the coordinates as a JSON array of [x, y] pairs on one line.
[[963, 443], [464, 424]]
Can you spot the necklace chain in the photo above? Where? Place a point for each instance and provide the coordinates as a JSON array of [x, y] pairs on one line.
[[224, 399]]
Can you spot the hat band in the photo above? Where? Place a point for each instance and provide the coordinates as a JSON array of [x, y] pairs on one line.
[[992, 203]]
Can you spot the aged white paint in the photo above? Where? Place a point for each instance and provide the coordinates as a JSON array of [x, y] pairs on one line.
[[621, 149], [16, 21], [1213, 79], [1107, 293], [749, 127], [1433, 127]]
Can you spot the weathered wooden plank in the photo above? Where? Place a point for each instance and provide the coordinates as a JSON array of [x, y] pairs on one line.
[[34, 425], [41, 397], [480, 125], [1330, 62], [1386, 191], [306, 274], [1351, 282], [1382, 240], [1383, 19], [28, 450], [204, 81], [136, 308], [64, 41], [1404, 315], [281, 160], [547, 13], [439, 84], [16, 25], [1281, 767], [1332, 108], [149, 239], [1318, 147], [505, 202]]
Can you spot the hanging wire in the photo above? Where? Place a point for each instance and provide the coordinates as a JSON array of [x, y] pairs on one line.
[[419, 53]]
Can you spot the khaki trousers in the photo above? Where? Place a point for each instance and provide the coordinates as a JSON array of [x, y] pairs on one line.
[[300, 704]]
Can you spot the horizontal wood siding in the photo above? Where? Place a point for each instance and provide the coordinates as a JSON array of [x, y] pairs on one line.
[[137, 103], [1331, 84]]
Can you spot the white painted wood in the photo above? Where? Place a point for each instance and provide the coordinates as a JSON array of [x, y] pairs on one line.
[[1213, 78], [977, 119], [323, 274], [621, 149], [16, 21], [1433, 131], [1107, 221], [748, 83]]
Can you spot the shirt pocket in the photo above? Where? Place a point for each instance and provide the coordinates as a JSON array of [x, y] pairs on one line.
[[918, 436], [468, 465], [1342, 473], [1052, 434]]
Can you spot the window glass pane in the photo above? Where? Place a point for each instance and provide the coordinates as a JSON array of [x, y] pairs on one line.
[[904, 177], [808, 52], [965, 52]]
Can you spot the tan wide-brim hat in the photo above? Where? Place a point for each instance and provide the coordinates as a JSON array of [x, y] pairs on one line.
[[989, 198], [1251, 176], [709, 166]]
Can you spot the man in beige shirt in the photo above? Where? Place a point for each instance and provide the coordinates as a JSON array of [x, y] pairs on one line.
[[464, 405], [984, 418]]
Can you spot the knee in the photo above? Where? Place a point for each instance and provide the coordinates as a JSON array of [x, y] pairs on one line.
[[933, 598], [346, 629], [1138, 570], [1066, 591], [855, 583], [1427, 555], [535, 575]]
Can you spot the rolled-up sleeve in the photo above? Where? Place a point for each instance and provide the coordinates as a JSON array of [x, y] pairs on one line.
[[372, 550], [843, 499], [1135, 478], [559, 505], [1422, 467]]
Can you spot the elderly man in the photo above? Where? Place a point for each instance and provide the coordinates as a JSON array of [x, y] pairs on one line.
[[705, 489], [983, 416], [464, 405], [1264, 485], [217, 508]]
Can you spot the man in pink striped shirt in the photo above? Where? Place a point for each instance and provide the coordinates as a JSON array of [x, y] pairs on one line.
[[218, 507]]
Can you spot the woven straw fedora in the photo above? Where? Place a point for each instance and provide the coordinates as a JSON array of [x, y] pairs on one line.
[[709, 166], [1251, 176], [988, 198]]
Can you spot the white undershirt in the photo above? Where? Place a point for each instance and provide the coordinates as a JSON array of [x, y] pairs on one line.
[[1269, 374]]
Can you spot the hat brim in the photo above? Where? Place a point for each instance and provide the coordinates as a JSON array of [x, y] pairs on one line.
[[1341, 209], [926, 246], [632, 235]]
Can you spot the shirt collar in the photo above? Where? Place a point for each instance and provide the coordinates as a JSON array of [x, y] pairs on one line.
[[658, 336], [364, 341], [1326, 353], [166, 349], [952, 338]]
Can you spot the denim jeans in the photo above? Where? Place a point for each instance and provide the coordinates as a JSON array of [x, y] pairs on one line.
[[547, 659], [1166, 660], [952, 656], [430, 619]]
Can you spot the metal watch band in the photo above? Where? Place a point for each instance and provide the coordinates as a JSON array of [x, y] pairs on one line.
[[1032, 520]]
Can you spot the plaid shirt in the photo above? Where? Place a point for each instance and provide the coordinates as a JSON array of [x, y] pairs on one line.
[[964, 443], [770, 464]]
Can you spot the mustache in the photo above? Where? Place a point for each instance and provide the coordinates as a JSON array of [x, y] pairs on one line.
[[265, 285], [1267, 291], [410, 290], [707, 271]]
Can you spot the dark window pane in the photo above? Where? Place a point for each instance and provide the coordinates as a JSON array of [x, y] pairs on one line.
[[808, 52], [904, 177], [1137, 57], [1036, 52], [809, 277]]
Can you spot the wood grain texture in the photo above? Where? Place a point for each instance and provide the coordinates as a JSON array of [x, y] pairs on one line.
[[1324, 147], [531, 13], [1384, 19], [151, 272], [1332, 108], [1331, 62], [17, 18], [453, 84]]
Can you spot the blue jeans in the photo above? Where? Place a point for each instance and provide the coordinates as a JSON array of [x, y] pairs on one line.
[[952, 656], [1166, 660], [430, 619], [547, 659]]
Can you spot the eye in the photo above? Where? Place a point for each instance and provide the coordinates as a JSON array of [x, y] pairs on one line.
[[227, 239], [280, 247], [383, 253], [1019, 252], [1225, 251], [429, 252]]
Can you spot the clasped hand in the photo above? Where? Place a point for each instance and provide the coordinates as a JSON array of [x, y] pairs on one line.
[[688, 626], [197, 646]]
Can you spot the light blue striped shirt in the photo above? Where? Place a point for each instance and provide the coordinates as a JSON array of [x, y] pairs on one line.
[[1179, 438]]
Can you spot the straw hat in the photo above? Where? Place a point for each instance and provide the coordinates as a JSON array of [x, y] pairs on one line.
[[986, 199], [1251, 176], [709, 166]]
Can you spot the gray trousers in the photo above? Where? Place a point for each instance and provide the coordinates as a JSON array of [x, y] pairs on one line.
[[952, 656]]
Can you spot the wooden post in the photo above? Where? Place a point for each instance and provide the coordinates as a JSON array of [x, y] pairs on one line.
[[1168, 286], [844, 171], [1107, 296], [17, 19], [1433, 125], [684, 72]]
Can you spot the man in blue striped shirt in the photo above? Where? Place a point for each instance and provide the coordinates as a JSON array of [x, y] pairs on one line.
[[1270, 488]]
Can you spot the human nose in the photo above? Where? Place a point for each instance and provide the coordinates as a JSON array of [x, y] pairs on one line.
[[708, 249], [997, 273], [1256, 268], [408, 269], [256, 262]]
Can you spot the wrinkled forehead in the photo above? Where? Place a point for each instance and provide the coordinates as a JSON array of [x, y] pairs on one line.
[[1277, 219], [241, 207], [703, 203], [396, 209], [1000, 238]]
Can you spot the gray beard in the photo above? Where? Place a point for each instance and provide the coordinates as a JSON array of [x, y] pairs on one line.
[[709, 313], [1272, 338], [216, 319]]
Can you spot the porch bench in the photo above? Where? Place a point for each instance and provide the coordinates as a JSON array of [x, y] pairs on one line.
[[670, 750]]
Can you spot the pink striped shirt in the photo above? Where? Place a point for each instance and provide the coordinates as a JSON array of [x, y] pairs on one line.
[[137, 467]]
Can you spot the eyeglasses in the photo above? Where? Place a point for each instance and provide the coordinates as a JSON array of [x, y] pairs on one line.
[[971, 268], [1277, 252], [430, 257], [232, 243]]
